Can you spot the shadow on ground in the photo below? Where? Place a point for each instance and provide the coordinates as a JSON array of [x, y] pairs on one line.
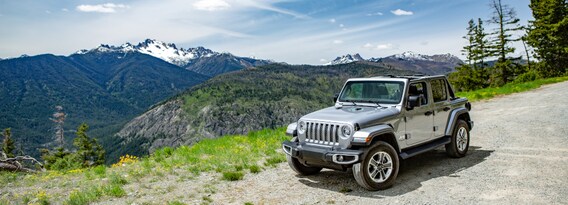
[[412, 173]]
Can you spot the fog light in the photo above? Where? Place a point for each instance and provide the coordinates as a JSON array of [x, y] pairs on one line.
[[340, 158]]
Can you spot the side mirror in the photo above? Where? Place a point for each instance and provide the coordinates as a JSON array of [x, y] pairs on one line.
[[414, 101], [335, 96]]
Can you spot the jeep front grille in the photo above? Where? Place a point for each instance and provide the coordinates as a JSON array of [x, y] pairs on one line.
[[322, 133]]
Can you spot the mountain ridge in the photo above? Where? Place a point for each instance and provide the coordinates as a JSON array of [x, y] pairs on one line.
[[438, 64]]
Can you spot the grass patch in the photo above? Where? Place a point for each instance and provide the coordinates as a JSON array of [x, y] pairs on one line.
[[509, 88], [233, 175], [227, 153], [274, 160], [255, 169], [176, 203]]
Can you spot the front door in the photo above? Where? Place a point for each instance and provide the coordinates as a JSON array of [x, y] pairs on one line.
[[420, 120]]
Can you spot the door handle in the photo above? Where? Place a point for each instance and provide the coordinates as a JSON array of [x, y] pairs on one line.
[[446, 109], [428, 113]]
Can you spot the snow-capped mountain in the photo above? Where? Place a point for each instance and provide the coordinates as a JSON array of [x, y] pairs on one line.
[[427, 64], [442, 58], [346, 59], [165, 51]]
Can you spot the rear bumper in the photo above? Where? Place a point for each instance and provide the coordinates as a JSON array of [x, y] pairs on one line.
[[321, 155]]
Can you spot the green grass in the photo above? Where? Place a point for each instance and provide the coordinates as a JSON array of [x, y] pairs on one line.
[[233, 175], [509, 88], [224, 154]]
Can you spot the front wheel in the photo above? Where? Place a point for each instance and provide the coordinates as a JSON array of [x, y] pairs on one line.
[[300, 168], [379, 167], [460, 140]]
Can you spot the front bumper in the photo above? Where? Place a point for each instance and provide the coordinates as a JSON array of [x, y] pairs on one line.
[[320, 155]]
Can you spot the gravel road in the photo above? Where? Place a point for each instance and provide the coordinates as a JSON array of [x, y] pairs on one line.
[[518, 155]]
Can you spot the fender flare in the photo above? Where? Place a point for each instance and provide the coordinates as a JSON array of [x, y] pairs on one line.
[[454, 118], [366, 136]]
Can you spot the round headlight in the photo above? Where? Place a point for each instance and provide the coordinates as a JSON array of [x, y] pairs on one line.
[[346, 131], [301, 127]]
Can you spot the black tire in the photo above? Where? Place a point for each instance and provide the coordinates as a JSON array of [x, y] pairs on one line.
[[385, 175], [301, 169], [460, 140]]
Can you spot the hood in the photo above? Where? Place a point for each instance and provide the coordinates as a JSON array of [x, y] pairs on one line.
[[363, 115]]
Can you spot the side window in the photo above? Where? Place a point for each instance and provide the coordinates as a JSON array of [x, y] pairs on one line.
[[419, 89], [439, 90]]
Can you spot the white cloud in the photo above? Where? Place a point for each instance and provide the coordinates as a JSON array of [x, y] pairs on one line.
[[384, 46], [47, 11], [101, 8], [341, 25], [332, 20], [337, 41], [64, 10], [368, 45], [323, 60], [375, 14], [400, 12], [211, 5]]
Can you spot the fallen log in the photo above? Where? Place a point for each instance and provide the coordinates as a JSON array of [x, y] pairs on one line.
[[15, 164]]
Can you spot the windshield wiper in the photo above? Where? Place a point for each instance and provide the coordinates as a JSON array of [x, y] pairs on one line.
[[351, 101], [372, 101]]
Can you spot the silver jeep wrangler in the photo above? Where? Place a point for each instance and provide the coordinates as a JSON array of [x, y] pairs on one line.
[[375, 123]]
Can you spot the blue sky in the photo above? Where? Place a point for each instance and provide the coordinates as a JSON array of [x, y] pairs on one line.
[[293, 31]]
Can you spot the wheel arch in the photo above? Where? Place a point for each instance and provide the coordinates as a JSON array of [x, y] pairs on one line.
[[369, 136], [457, 114]]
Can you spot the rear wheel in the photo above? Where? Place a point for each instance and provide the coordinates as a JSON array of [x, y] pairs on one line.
[[460, 140], [379, 167]]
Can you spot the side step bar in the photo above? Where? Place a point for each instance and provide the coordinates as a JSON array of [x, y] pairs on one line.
[[405, 154]]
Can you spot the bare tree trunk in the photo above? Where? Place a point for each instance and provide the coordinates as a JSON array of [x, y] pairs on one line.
[[14, 164]]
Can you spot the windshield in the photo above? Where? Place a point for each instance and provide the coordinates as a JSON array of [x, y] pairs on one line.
[[387, 92]]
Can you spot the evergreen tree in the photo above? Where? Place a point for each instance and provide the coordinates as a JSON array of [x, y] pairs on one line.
[[481, 44], [507, 22], [8, 144], [470, 37], [89, 150], [548, 35]]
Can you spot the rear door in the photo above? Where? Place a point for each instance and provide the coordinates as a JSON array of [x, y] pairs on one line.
[[441, 105]]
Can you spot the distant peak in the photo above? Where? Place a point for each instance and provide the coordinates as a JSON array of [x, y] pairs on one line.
[[348, 58], [168, 52]]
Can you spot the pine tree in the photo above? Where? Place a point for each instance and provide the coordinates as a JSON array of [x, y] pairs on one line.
[[468, 49], [506, 19], [89, 150], [8, 144], [481, 44], [548, 35]]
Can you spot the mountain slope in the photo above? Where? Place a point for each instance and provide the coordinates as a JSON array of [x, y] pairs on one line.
[[223, 63], [264, 97], [103, 89]]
